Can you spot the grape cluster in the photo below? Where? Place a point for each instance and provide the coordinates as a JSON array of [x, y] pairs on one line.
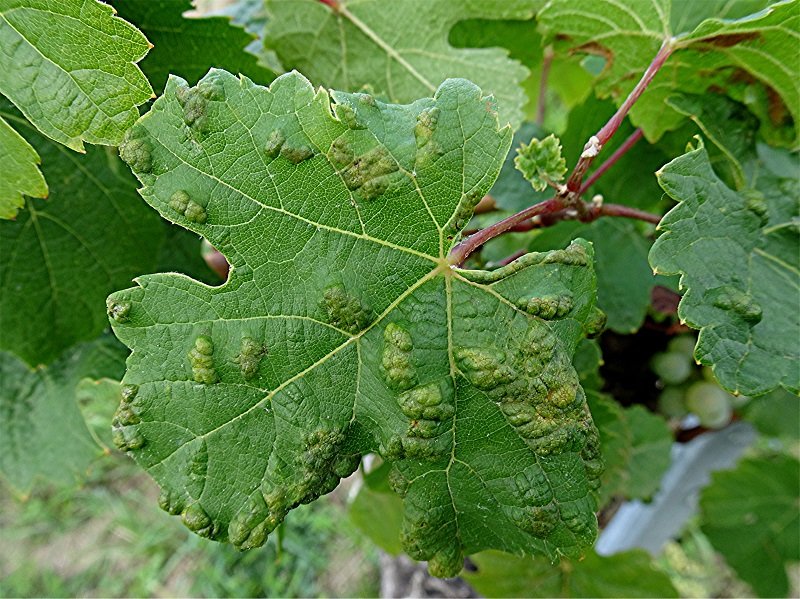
[[689, 389]]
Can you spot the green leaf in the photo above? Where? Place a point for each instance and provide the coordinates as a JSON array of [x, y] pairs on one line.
[[21, 174], [343, 329], [398, 50], [378, 512], [541, 163], [722, 53], [188, 47], [97, 400], [70, 67], [776, 414], [724, 122], [737, 254], [627, 574], [624, 280], [568, 82], [750, 515], [61, 258], [42, 432], [635, 445]]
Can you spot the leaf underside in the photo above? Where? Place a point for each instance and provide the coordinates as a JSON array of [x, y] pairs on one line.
[[342, 328]]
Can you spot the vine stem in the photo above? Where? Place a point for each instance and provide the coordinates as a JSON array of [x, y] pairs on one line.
[[462, 250], [619, 153], [568, 197], [597, 141], [541, 106]]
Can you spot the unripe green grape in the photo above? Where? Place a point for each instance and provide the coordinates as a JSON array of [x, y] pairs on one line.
[[672, 367], [711, 403], [671, 402], [682, 344]]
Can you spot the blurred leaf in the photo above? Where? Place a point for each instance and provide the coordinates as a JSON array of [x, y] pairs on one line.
[[568, 82], [627, 574], [42, 432], [189, 46], [398, 50], [97, 401], [776, 414], [378, 511], [60, 258], [636, 447], [750, 515]]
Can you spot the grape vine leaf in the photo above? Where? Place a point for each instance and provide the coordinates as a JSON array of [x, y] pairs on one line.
[[636, 447], [21, 174], [70, 67], [737, 254], [750, 514], [343, 329], [723, 53], [188, 46], [42, 432], [626, 574], [776, 414], [398, 50], [60, 258]]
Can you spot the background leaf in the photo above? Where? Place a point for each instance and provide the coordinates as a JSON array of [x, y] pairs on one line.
[[628, 574], [42, 432], [21, 174], [61, 258], [726, 54], [739, 270], [189, 46], [398, 50], [750, 515], [80, 81]]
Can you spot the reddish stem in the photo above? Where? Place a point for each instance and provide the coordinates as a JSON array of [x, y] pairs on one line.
[[334, 4], [596, 143], [619, 153], [541, 107], [626, 212], [509, 259], [462, 250]]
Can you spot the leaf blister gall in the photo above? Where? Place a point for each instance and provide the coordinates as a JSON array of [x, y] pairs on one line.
[[118, 310], [345, 311], [138, 154], [201, 359], [183, 204], [249, 357]]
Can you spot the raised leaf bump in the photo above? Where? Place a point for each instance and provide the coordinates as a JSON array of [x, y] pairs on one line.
[[374, 340]]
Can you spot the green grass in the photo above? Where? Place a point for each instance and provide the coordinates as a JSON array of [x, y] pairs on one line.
[[108, 538]]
